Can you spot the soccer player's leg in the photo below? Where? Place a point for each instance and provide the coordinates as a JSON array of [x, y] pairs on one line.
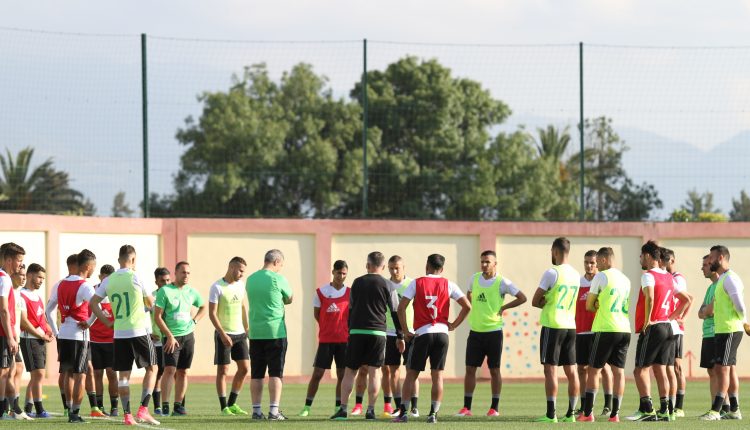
[[222, 361], [438, 354], [549, 353], [185, 360], [276, 359], [374, 359], [494, 345], [240, 354], [323, 361], [475, 354], [568, 362]]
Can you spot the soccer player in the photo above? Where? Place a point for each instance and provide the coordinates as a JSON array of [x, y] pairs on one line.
[[556, 296], [585, 337], [13, 389], [609, 298], [12, 260], [72, 297], [51, 316], [486, 292], [708, 346], [331, 311], [431, 295], [173, 306], [34, 337], [676, 375], [267, 293], [653, 321], [102, 353], [370, 299], [161, 278], [730, 319], [392, 365], [129, 299], [228, 314]]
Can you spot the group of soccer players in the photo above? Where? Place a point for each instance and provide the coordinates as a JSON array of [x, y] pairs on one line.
[[368, 329]]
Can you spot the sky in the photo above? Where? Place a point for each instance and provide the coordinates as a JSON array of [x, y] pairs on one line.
[[645, 61]]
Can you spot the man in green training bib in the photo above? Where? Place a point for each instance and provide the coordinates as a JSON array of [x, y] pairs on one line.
[[130, 298], [173, 307], [609, 297], [486, 292], [556, 297], [228, 314]]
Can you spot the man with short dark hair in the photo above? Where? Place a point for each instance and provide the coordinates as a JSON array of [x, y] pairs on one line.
[[34, 337], [267, 293], [228, 314], [12, 260]]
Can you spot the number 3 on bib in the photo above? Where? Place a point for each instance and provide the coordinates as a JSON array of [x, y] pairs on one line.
[[431, 300]]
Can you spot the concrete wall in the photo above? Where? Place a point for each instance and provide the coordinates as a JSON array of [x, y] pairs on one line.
[[311, 246]]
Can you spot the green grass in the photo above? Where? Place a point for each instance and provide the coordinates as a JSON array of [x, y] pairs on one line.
[[519, 405]]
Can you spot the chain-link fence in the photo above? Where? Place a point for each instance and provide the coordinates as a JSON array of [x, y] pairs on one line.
[[444, 131]]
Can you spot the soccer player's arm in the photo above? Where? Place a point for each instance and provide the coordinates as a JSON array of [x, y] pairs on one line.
[[7, 288], [507, 287], [539, 300], [684, 299], [27, 327], [170, 344], [213, 305], [733, 287], [95, 304], [647, 285], [316, 307], [201, 305], [596, 286], [286, 292], [87, 292], [406, 298], [50, 311], [245, 321], [460, 298]]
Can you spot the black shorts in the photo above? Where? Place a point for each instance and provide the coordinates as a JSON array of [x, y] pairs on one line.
[[655, 346], [608, 348], [584, 344], [558, 346], [18, 359], [34, 353], [327, 353], [238, 351], [430, 345], [267, 354], [6, 359], [102, 355], [708, 352], [392, 356], [140, 349], [481, 345], [73, 355], [365, 350], [678, 340], [726, 348], [181, 357], [159, 358]]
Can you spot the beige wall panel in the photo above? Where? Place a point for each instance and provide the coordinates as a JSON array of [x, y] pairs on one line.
[[461, 261], [209, 254], [35, 245], [523, 260]]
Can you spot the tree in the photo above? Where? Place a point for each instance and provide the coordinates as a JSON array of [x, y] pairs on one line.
[[740, 208], [120, 208], [697, 203], [38, 189], [552, 144]]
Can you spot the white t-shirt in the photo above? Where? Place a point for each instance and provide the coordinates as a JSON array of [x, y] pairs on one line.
[[20, 309], [6, 284], [101, 291], [329, 291], [585, 282], [549, 278], [216, 291], [33, 296], [600, 281], [455, 294], [69, 328], [734, 287], [506, 285]]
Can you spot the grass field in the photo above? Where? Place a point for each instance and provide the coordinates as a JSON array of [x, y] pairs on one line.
[[519, 405]]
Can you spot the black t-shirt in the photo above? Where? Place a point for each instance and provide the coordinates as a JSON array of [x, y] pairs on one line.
[[370, 300]]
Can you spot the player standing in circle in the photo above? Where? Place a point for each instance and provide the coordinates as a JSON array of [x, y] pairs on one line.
[[129, 298], [708, 346], [102, 353], [391, 369], [730, 319], [431, 295], [556, 297], [161, 278], [228, 314], [12, 261], [267, 294], [653, 321], [13, 390], [609, 297], [370, 299], [331, 311], [585, 337], [486, 292], [34, 338]]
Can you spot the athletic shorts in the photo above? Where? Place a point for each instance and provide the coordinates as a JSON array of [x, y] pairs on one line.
[[708, 352], [584, 343], [140, 349], [557, 346], [267, 354], [655, 346], [328, 353], [608, 348], [181, 357], [678, 340], [6, 359], [73, 355], [392, 356], [365, 350], [429, 345], [102, 355], [18, 359], [726, 348], [159, 358], [238, 351], [34, 353], [481, 345]]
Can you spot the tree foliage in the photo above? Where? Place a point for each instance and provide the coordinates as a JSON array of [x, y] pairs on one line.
[[740, 208]]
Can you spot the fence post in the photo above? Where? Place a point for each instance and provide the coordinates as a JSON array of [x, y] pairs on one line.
[[144, 108], [580, 128], [364, 129]]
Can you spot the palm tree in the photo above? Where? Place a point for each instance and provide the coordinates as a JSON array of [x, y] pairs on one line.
[[41, 189], [552, 142]]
